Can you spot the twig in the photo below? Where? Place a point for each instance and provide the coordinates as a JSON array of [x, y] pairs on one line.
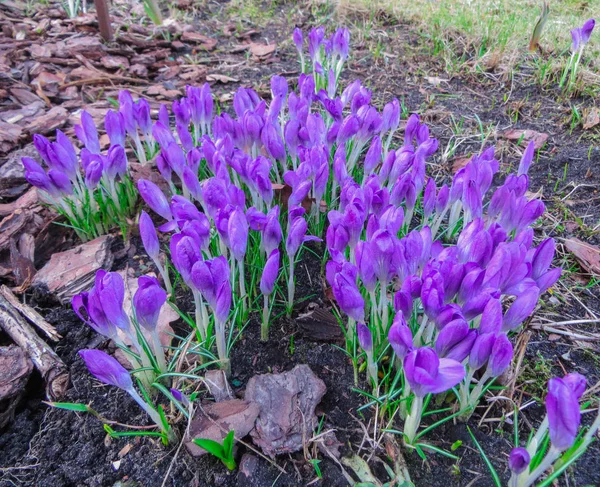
[[31, 314], [53, 370]]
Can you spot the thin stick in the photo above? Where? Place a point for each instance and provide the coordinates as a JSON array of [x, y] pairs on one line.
[[103, 20]]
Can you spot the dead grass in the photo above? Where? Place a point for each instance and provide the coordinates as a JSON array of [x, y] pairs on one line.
[[488, 34]]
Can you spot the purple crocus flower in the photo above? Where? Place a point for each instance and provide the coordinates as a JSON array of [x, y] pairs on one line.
[[298, 39], [87, 133], [520, 309], [428, 374], [149, 236], [518, 461], [501, 356], [270, 273], [365, 339], [113, 124], [147, 301], [211, 278], [297, 236], [155, 198], [89, 310], [455, 340], [564, 416], [185, 252], [111, 293], [237, 231], [400, 337], [106, 369]]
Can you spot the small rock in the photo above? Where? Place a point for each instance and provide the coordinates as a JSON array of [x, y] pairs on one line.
[[248, 466], [215, 420], [287, 405], [217, 385]]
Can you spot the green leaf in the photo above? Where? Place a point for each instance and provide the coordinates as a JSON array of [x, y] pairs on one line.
[[456, 445], [438, 450], [70, 406], [486, 460], [228, 444], [211, 446]]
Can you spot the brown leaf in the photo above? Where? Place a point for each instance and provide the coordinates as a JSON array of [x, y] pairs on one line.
[[592, 118], [205, 42], [262, 50], [539, 138], [460, 162], [221, 78], [587, 255]]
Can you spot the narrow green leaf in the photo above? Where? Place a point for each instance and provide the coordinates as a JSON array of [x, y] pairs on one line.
[[491, 468], [211, 446]]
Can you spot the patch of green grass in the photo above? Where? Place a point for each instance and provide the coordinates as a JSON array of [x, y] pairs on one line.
[[496, 34], [535, 374]]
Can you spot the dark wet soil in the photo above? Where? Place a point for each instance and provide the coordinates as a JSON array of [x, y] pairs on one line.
[[46, 447]]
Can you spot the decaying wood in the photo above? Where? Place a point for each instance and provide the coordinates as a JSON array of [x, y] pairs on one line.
[[73, 271], [51, 367], [15, 369], [31, 314]]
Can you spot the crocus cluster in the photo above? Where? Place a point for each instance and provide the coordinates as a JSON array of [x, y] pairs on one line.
[[102, 308], [447, 299], [580, 36], [93, 190], [561, 427]]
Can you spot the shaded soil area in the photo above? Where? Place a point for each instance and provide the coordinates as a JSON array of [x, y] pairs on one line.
[[45, 447]]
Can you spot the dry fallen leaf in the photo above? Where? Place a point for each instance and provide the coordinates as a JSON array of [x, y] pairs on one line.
[[591, 119], [587, 255], [539, 138], [221, 78], [459, 162], [262, 50]]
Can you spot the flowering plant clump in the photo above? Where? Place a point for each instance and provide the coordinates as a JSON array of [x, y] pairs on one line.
[[433, 279], [92, 190], [580, 36]]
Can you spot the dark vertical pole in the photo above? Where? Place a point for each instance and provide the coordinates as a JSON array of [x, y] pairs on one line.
[[103, 19]]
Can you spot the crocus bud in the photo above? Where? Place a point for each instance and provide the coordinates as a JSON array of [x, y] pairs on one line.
[[106, 369], [147, 301], [455, 340], [373, 157], [501, 356], [270, 273], [149, 236], [428, 374], [521, 308], [237, 231], [365, 339], [564, 416], [391, 116], [298, 39], [154, 198], [576, 383], [518, 461], [400, 337]]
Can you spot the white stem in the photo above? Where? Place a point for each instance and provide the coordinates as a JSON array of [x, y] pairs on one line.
[[164, 273], [146, 407], [222, 347], [200, 323], [242, 277], [158, 351], [291, 286], [411, 425], [550, 458], [264, 330]]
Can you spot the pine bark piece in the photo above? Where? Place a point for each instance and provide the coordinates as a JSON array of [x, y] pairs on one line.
[[70, 272], [287, 405], [214, 420], [320, 325], [53, 370], [15, 369], [31, 314]]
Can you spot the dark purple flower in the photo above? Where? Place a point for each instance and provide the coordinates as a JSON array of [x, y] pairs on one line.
[[481, 350], [106, 369], [297, 236], [89, 309], [428, 374], [518, 461], [365, 339], [185, 252], [147, 301], [564, 415], [237, 231]]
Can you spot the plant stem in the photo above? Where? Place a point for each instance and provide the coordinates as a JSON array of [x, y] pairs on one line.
[[411, 425], [264, 329], [291, 287], [222, 347], [201, 326], [159, 352]]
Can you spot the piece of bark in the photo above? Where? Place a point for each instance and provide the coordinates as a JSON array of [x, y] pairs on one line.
[[587, 255], [287, 405], [25, 201], [53, 119], [214, 421], [74, 270], [15, 369], [54, 372], [13, 225], [31, 314], [320, 325], [22, 266]]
